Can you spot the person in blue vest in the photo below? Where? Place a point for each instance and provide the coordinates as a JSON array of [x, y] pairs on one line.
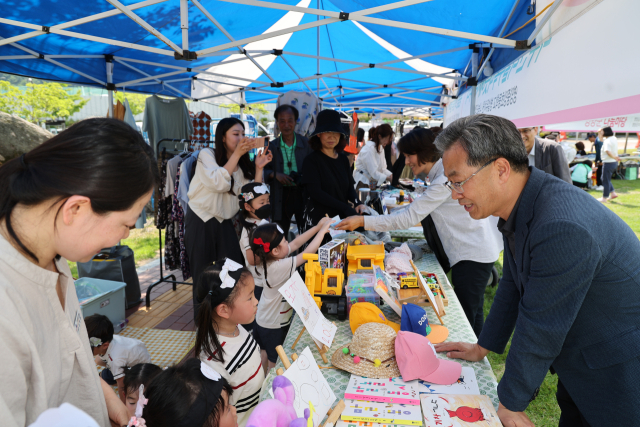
[[570, 290]]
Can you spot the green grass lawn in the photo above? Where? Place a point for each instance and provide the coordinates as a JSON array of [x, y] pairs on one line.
[[143, 242], [544, 410]]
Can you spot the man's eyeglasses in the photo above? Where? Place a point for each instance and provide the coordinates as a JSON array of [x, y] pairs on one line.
[[457, 186]]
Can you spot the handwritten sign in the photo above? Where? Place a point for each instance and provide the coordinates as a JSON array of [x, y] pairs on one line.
[[297, 295]]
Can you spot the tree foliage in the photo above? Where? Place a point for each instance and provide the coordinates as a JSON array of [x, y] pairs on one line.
[[40, 102], [255, 109], [9, 98]]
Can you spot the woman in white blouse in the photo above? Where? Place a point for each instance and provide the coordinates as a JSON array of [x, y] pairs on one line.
[[470, 246], [213, 197], [75, 194], [610, 161], [371, 166]]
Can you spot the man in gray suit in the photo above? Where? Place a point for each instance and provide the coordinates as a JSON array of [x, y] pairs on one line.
[[545, 154], [570, 289]]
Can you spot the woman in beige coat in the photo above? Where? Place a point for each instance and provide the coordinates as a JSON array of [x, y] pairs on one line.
[[75, 194]]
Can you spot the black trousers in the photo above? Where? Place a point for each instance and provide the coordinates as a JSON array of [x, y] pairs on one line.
[[207, 242], [292, 205], [570, 415], [470, 279]]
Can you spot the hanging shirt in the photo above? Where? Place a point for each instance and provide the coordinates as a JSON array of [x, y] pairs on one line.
[[308, 108], [209, 194], [371, 165], [183, 187], [172, 171], [201, 126], [166, 118], [242, 369], [128, 116], [46, 358]]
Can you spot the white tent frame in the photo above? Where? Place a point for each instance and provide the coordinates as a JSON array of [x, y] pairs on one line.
[[328, 18]]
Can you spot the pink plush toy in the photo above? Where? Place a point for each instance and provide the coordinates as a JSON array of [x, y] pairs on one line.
[[278, 412]]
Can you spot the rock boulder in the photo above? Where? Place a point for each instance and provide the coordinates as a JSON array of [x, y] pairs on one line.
[[18, 136]]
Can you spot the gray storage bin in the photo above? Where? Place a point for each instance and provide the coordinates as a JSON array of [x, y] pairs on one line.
[[104, 297]]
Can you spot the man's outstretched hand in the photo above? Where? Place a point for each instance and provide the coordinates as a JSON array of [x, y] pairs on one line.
[[462, 350]]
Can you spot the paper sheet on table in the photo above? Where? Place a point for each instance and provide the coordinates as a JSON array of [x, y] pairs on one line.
[[297, 295], [466, 384], [310, 386]]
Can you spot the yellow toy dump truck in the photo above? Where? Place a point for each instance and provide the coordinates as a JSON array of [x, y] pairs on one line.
[[364, 257]]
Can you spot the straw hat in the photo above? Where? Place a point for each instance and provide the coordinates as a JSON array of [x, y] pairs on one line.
[[373, 350]]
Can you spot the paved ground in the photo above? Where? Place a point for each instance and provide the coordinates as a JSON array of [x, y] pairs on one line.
[[173, 310]]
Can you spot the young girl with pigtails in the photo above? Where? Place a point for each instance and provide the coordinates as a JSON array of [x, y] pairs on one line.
[[225, 292], [254, 207], [273, 263]]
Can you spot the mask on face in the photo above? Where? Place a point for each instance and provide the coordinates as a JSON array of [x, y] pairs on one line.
[[263, 212]]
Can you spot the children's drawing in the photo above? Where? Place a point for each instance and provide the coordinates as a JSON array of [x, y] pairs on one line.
[[466, 384], [390, 390], [303, 362], [391, 413], [297, 295], [310, 386], [459, 411]]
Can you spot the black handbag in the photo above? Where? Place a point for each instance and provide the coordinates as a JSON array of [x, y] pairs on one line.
[[431, 234], [116, 264]]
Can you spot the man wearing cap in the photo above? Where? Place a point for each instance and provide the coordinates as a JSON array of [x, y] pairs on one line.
[[545, 154], [282, 174], [570, 285]]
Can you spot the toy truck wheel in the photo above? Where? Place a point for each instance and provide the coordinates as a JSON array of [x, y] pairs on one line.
[[342, 309], [405, 287]]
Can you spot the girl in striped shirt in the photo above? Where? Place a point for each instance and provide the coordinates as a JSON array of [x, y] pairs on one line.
[[225, 292]]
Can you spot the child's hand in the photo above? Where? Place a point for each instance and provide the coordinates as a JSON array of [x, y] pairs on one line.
[[324, 224], [263, 158]]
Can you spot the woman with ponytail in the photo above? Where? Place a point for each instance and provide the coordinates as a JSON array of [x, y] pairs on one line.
[[273, 263], [75, 194], [225, 294]]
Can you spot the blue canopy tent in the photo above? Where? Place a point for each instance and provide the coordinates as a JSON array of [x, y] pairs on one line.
[[373, 54]]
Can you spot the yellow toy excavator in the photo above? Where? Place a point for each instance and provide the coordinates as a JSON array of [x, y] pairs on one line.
[[328, 288]]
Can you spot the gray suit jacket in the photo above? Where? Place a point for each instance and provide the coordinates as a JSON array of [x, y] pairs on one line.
[[572, 294], [550, 158]]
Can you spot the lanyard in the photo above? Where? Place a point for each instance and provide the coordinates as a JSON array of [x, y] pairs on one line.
[[289, 162]]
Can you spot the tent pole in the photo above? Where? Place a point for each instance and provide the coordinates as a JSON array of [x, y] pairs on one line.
[[625, 143], [474, 73], [543, 21], [109, 63], [184, 23]]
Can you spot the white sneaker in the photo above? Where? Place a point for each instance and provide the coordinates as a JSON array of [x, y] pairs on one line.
[[599, 188]]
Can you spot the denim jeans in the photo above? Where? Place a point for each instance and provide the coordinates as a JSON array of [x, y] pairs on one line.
[[607, 172]]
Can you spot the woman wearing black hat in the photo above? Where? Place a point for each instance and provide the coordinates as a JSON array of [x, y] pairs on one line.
[[326, 175]]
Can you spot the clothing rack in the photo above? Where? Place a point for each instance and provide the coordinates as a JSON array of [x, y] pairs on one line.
[[172, 146]]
